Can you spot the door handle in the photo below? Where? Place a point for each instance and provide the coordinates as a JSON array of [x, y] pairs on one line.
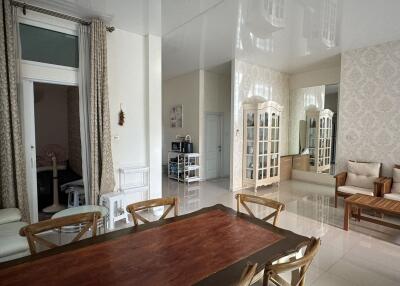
[[219, 148]]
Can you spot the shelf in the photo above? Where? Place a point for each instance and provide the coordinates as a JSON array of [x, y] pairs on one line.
[[192, 179], [191, 155], [192, 168]]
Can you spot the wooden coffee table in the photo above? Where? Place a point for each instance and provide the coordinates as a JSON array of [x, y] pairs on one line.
[[378, 204]]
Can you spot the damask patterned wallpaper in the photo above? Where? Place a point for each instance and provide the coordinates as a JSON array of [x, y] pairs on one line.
[[253, 80], [369, 104]]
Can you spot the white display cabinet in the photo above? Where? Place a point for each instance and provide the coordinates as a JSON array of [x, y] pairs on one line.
[[261, 143], [319, 138]]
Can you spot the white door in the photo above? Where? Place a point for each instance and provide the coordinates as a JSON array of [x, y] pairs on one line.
[[213, 145], [28, 131]]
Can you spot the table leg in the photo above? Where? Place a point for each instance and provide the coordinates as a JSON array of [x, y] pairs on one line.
[[347, 210]]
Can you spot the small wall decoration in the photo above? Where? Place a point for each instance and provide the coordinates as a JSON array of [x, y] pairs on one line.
[[121, 117], [176, 116]]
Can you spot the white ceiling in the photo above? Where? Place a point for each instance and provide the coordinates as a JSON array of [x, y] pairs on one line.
[[207, 33]]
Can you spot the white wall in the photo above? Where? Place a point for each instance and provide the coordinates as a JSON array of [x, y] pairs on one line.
[[134, 78], [154, 110], [126, 80], [185, 90], [324, 76]]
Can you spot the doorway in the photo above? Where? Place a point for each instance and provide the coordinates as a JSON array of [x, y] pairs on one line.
[[213, 137], [57, 147]]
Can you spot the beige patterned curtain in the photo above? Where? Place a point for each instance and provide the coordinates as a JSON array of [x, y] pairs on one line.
[[102, 171], [13, 192]]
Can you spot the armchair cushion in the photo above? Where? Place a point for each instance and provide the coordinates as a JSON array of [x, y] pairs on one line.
[[11, 243], [9, 215], [392, 196], [362, 175], [351, 190], [396, 181]]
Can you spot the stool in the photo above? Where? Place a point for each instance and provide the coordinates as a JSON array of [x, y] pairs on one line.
[[115, 203], [76, 196]]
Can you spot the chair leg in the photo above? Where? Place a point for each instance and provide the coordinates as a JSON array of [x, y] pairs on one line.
[[359, 214]]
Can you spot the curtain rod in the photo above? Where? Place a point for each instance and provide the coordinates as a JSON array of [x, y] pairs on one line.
[[25, 7]]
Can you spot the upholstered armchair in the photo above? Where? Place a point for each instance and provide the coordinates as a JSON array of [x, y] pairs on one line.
[[360, 178], [390, 187]]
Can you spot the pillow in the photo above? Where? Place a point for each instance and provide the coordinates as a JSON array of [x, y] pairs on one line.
[[362, 175], [396, 181]]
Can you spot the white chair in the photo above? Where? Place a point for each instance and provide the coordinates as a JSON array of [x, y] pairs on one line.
[[360, 178]]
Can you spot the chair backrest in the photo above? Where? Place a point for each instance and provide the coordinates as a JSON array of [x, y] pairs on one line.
[[363, 174], [85, 220], [171, 202], [247, 274], [302, 264], [243, 199]]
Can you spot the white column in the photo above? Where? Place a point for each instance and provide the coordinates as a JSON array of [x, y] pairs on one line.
[[154, 82]]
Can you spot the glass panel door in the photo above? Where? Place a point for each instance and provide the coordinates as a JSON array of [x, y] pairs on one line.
[[274, 157], [263, 145], [249, 151]]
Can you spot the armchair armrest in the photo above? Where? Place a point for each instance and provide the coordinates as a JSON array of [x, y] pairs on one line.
[[383, 185], [340, 179]]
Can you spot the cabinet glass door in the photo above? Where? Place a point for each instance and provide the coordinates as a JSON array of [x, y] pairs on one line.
[[274, 157], [312, 139], [263, 121], [249, 147]]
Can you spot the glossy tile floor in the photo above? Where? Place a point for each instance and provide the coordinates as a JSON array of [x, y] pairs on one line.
[[365, 255]]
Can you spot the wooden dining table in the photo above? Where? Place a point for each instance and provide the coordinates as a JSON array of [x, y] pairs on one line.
[[207, 247]]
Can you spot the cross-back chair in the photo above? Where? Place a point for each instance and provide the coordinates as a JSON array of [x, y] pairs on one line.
[[171, 202], [248, 274], [272, 271], [85, 220], [243, 199]]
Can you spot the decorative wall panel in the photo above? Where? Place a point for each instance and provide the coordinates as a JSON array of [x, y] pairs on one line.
[[253, 80], [369, 104]]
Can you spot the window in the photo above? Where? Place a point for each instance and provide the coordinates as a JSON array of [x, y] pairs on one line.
[[47, 46]]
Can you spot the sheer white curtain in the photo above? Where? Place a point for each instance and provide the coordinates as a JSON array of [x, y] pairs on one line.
[[84, 93]]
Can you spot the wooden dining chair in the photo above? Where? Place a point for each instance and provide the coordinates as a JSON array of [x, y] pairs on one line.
[[243, 199], [248, 274], [299, 266], [171, 202], [85, 220]]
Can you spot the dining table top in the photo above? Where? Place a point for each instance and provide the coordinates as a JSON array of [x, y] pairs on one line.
[[210, 246]]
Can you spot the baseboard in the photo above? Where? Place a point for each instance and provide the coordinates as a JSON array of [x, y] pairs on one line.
[[311, 177]]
